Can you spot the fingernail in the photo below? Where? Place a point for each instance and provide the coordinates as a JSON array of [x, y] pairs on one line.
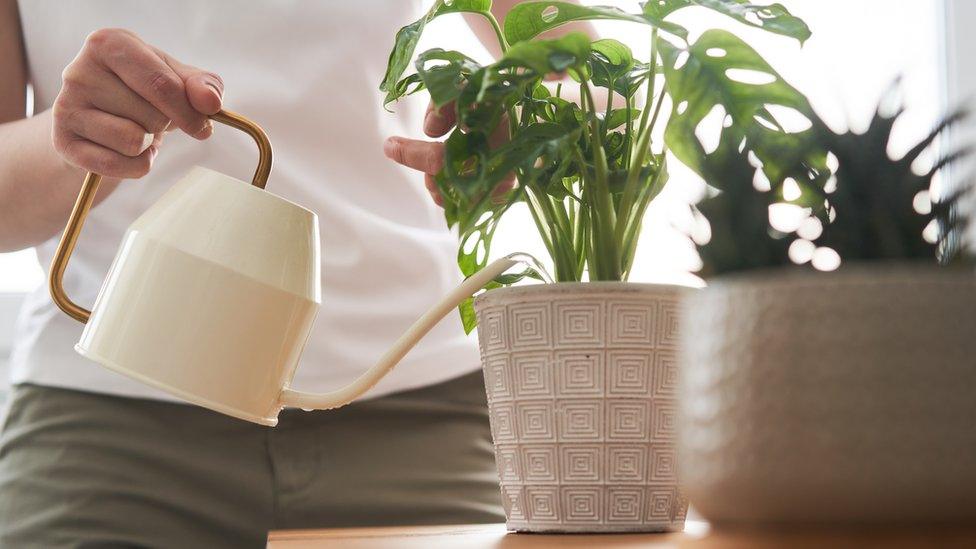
[[146, 141], [215, 89], [389, 147]]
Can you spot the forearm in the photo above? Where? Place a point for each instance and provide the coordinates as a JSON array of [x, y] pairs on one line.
[[37, 187]]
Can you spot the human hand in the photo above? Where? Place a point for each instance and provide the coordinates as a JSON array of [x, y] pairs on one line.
[[428, 156], [118, 97]]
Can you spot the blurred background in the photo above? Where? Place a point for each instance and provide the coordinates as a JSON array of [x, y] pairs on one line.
[[858, 49]]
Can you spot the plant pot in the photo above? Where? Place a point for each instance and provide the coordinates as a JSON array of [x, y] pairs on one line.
[[846, 397], [581, 381]]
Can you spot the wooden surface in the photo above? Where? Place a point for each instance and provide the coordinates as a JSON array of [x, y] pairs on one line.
[[696, 536], [491, 536]]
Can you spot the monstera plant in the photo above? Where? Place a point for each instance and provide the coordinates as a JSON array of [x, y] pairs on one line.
[[587, 170], [574, 362]]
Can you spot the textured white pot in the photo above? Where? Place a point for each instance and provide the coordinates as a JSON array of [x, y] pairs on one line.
[[581, 382], [845, 397]]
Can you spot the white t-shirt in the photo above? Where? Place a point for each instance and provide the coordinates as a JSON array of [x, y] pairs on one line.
[[308, 73]]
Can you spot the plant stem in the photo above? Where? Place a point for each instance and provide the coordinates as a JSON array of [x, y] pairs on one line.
[[628, 131], [604, 218], [541, 227], [634, 222], [544, 214], [642, 147], [498, 31], [651, 76], [657, 111]]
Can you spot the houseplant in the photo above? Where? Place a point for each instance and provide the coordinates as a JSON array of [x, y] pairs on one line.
[[833, 397], [580, 376]]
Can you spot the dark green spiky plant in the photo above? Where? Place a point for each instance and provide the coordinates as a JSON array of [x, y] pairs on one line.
[[742, 238], [874, 205], [587, 171], [867, 206]]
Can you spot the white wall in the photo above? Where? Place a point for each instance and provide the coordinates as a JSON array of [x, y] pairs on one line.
[[9, 304]]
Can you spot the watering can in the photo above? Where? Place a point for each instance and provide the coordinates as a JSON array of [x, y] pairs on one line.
[[213, 292]]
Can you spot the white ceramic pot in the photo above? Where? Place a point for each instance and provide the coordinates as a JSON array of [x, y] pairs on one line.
[[845, 397], [581, 382]]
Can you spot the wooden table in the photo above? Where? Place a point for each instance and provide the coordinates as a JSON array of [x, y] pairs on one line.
[[696, 536], [490, 536]]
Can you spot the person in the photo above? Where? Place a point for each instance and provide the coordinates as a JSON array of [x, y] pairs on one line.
[[124, 89]]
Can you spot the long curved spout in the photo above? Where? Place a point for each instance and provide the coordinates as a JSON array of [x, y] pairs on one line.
[[413, 335]]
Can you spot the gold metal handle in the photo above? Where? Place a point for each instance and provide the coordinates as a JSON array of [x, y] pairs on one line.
[[87, 196]]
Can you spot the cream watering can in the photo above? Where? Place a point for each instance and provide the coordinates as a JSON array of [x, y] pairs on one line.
[[213, 292]]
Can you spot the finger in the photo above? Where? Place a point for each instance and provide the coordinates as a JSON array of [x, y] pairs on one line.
[[500, 135], [101, 160], [506, 185], [204, 89], [113, 132], [94, 86], [439, 121], [145, 72], [435, 192], [425, 156]]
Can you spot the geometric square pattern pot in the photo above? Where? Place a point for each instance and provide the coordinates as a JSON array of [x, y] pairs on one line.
[[581, 382]]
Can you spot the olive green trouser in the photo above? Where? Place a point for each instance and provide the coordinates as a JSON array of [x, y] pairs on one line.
[[85, 470]]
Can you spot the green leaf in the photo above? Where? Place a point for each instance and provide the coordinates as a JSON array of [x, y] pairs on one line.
[[612, 66], [446, 79], [774, 18], [529, 19], [472, 172], [618, 117], [464, 162], [548, 56], [525, 149], [468, 318], [615, 52], [408, 37], [704, 81]]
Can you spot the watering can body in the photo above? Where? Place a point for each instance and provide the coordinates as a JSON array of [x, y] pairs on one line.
[[213, 292], [211, 296]]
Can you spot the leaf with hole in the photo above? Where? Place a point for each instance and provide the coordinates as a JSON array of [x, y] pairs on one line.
[[408, 36], [702, 82], [774, 18], [444, 73], [527, 20]]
